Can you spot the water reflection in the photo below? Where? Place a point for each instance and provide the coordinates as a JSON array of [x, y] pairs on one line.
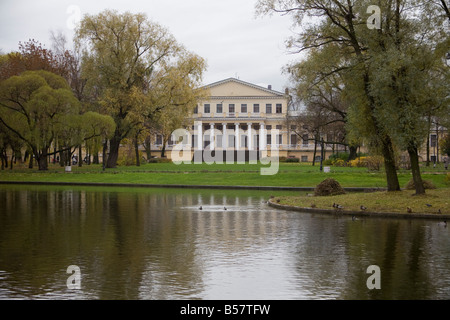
[[157, 244]]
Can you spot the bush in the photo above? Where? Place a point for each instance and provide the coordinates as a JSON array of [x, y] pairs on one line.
[[374, 162], [328, 187], [427, 184], [341, 156], [358, 162], [339, 163], [159, 160], [447, 179], [292, 160]]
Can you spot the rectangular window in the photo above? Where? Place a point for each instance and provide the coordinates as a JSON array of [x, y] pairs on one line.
[[256, 108], [280, 139], [293, 127], [305, 140], [304, 158], [207, 108], [231, 108], [269, 139], [243, 108], [294, 139], [279, 108], [219, 108], [269, 127], [279, 127], [231, 141], [433, 140], [196, 109], [244, 142], [268, 108]]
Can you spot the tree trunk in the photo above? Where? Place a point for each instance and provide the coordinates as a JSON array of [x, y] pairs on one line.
[[315, 151], [42, 160], [105, 148], [163, 151], [114, 145], [437, 143], [389, 165], [5, 156], [80, 156], [30, 164], [136, 149], [353, 153], [415, 168], [148, 148]]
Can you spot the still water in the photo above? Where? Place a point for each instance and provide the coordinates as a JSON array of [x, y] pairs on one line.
[[157, 244]]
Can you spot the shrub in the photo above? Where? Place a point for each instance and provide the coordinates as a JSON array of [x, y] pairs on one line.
[[328, 187], [427, 184], [340, 163], [159, 160], [292, 160], [358, 162], [374, 162], [447, 179], [341, 156]]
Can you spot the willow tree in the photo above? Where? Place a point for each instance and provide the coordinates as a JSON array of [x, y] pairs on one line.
[[125, 57], [373, 53], [40, 109]]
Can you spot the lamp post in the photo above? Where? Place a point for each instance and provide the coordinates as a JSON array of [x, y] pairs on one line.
[[321, 155]]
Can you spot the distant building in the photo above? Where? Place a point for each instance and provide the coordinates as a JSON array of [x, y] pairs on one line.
[[248, 118], [244, 117]]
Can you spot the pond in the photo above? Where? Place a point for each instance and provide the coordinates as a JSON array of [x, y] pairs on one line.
[[138, 243]]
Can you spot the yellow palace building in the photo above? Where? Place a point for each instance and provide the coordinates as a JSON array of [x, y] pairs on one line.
[[244, 118]]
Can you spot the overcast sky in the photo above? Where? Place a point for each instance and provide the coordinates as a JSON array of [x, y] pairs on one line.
[[226, 33]]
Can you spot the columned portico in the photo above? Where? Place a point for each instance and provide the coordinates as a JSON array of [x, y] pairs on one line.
[[249, 135], [236, 137], [224, 137], [262, 136], [211, 129], [199, 135]]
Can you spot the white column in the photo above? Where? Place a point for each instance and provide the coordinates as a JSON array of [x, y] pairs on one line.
[[249, 136], [199, 136], [211, 136], [236, 136], [224, 136], [273, 137], [262, 137]]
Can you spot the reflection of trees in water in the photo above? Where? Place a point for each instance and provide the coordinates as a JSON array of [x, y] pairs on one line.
[[342, 251], [156, 244]]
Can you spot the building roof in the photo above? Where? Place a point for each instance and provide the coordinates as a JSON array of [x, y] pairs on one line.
[[254, 86]]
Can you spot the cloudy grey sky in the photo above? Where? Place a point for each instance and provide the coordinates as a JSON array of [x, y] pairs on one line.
[[226, 33]]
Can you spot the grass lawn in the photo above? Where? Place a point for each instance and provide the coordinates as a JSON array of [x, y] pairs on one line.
[[377, 201], [289, 174]]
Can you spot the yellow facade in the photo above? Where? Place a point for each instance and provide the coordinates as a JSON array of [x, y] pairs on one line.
[[250, 117]]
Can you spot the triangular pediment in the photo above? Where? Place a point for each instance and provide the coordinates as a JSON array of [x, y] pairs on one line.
[[237, 88]]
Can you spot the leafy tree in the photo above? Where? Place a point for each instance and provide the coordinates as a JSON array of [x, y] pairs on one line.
[[445, 145], [388, 70], [33, 56], [320, 88], [126, 58], [39, 108]]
